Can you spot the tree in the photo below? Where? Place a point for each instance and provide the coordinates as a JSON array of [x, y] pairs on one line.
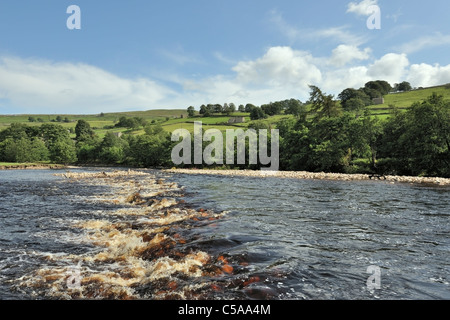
[[249, 107], [295, 145], [383, 87], [428, 134], [83, 130], [354, 105], [191, 111], [241, 108], [151, 149], [404, 86], [60, 145], [63, 151], [112, 149], [351, 93], [297, 109], [371, 134], [257, 114], [23, 150], [323, 105]]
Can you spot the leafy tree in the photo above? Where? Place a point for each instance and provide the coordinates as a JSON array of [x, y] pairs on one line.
[[112, 149], [258, 124], [83, 130], [331, 143], [404, 86], [61, 146], [31, 119], [23, 150], [383, 87], [351, 93], [15, 131], [428, 133], [295, 145], [191, 111], [323, 105], [229, 108], [241, 108], [131, 123], [151, 149], [272, 108], [257, 113], [249, 107], [372, 93], [371, 134], [354, 105], [63, 151], [87, 150]]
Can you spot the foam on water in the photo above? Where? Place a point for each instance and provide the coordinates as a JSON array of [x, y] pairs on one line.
[[136, 243]]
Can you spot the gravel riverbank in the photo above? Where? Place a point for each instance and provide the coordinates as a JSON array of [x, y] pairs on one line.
[[315, 175]]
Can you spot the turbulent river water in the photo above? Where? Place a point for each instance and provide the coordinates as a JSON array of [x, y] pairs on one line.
[[108, 234]]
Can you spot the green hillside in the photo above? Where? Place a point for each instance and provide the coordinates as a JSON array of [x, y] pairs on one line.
[[403, 100], [172, 119]]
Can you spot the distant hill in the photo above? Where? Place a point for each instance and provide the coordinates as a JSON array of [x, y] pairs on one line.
[[171, 119], [403, 100]]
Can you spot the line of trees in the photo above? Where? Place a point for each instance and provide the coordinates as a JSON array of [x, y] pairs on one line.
[[291, 106], [328, 137], [334, 139]]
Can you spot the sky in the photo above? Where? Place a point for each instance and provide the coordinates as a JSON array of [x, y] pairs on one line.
[[153, 54]]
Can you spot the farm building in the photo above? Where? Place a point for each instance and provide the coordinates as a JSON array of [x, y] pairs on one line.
[[377, 101], [236, 120]]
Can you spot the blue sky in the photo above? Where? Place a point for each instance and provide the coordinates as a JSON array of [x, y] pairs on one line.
[[141, 55]]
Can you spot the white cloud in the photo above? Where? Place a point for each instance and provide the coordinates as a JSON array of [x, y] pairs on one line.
[[361, 8], [280, 66], [337, 80], [391, 67], [278, 74], [335, 34], [73, 88], [425, 75], [345, 54], [426, 42]]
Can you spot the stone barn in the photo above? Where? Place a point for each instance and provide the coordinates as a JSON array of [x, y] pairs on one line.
[[236, 120], [377, 101]]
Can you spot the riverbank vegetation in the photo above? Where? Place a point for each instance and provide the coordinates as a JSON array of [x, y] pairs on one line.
[[324, 134]]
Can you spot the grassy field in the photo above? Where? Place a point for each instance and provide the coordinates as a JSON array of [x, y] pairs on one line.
[[174, 119]]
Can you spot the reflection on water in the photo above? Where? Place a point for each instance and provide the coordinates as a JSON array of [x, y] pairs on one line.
[[151, 235]]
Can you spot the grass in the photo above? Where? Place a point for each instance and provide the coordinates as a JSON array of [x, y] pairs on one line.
[[406, 99], [174, 119]]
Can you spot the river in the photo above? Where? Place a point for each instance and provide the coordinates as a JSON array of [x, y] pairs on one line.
[[220, 237]]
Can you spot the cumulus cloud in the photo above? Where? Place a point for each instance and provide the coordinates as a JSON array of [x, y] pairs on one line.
[[361, 8], [280, 66], [69, 87], [279, 73], [345, 54], [425, 75], [391, 67]]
